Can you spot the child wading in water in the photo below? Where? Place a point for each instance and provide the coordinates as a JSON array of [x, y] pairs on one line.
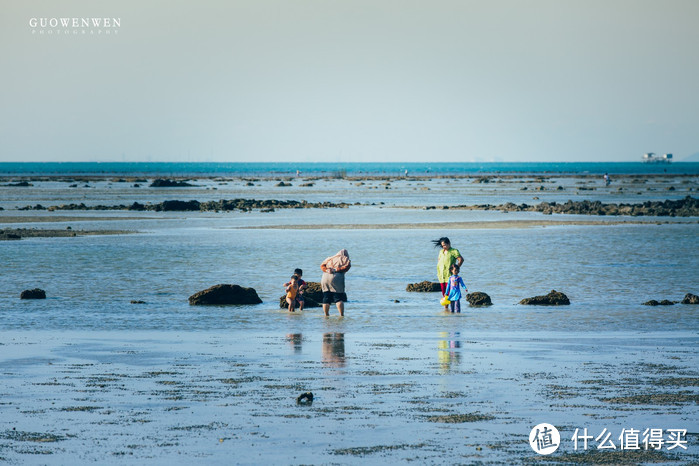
[[453, 291], [302, 286], [292, 289]]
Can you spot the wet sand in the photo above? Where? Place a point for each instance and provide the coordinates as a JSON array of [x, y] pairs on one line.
[[448, 397]]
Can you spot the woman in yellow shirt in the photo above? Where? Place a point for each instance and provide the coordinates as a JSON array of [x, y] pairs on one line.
[[447, 257]]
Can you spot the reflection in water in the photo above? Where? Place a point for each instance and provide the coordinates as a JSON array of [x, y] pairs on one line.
[[448, 357], [295, 339], [334, 349]]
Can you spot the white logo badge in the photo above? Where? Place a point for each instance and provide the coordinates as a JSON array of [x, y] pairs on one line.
[[544, 439]]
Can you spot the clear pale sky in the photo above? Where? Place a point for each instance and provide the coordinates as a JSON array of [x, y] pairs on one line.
[[351, 80]]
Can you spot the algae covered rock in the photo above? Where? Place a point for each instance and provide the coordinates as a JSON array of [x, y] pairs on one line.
[[554, 298], [424, 287], [478, 298], [225, 294], [36, 293]]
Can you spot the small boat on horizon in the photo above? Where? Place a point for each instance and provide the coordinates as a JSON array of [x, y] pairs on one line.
[[650, 157]]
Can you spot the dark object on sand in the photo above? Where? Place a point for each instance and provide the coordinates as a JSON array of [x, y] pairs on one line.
[[690, 299], [554, 298], [478, 298], [161, 183], [424, 287], [305, 399], [313, 296], [36, 293], [225, 294]]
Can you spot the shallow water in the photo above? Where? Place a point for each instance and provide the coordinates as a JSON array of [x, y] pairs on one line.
[[101, 379], [607, 272]]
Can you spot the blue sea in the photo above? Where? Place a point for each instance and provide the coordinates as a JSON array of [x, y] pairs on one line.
[[394, 168]]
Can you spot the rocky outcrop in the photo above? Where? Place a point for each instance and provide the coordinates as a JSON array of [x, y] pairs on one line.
[[243, 205], [225, 294], [313, 296], [424, 287], [687, 207], [20, 184], [478, 298], [36, 293], [161, 183], [554, 298], [664, 302], [690, 299]]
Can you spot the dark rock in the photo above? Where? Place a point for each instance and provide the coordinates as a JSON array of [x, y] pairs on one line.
[[305, 399], [161, 183], [554, 298], [282, 184], [478, 298], [9, 235], [21, 184], [313, 296], [136, 301], [690, 299], [36, 293], [664, 302], [424, 287], [166, 206], [225, 294]]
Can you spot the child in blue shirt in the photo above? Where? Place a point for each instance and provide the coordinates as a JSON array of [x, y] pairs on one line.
[[453, 290]]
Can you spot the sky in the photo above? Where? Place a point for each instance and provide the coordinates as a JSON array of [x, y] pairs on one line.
[[350, 80]]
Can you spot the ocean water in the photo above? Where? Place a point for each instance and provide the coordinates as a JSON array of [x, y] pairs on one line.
[[607, 271], [288, 168]]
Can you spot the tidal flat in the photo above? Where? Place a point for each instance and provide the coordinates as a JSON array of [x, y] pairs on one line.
[[87, 376], [439, 397]]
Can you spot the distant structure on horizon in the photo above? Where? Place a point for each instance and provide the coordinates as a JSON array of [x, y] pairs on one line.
[[650, 157]]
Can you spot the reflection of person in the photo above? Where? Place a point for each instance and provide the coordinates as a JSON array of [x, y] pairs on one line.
[[292, 289], [453, 291], [448, 357], [334, 349], [296, 339], [447, 257], [333, 281]]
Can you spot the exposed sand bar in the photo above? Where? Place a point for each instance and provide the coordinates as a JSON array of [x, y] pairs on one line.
[[52, 218], [497, 224]]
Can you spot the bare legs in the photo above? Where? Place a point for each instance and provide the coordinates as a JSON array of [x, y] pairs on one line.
[[340, 307]]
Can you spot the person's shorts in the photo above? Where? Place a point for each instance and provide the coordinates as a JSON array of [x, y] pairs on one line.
[[329, 297], [299, 298]]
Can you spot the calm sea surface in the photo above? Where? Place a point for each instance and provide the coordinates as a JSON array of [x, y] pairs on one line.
[[230, 169]]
